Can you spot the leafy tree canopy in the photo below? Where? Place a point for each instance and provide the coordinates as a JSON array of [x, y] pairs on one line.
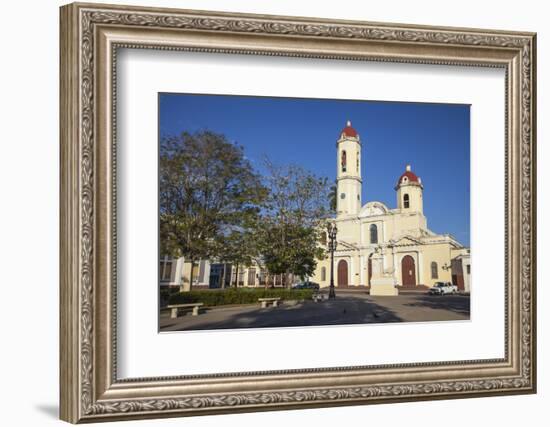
[[293, 218], [207, 189], [214, 205]]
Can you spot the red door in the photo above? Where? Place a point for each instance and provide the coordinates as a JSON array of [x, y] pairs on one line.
[[457, 275], [342, 273], [408, 271]]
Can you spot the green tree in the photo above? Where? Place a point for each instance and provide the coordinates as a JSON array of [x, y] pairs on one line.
[[207, 188], [333, 195], [239, 249], [292, 220]]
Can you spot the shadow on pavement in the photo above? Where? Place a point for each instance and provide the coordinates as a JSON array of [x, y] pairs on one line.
[[341, 311], [455, 303]]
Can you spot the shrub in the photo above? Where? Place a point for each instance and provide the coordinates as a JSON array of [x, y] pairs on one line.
[[165, 292], [238, 296]]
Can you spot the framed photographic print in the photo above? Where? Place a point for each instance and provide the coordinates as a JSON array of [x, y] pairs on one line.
[[286, 228], [265, 212]]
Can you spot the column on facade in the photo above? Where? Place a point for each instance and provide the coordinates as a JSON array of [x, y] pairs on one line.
[[395, 269], [362, 269], [420, 268]]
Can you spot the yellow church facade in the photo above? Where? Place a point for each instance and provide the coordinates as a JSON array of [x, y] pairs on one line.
[[382, 245]]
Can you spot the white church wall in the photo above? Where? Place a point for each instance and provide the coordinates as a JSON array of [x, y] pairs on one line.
[[407, 223]]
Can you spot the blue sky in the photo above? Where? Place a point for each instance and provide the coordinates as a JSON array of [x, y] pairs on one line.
[[433, 138]]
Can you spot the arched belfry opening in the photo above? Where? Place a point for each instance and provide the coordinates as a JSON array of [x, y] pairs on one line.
[[344, 161]]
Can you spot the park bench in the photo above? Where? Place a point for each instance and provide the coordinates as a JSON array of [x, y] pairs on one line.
[[266, 301], [175, 308]]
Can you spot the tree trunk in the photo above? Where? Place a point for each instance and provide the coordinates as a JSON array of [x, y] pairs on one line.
[[191, 276], [223, 276], [237, 276]]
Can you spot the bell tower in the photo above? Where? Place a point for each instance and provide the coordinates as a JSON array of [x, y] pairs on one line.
[[348, 176], [409, 192]]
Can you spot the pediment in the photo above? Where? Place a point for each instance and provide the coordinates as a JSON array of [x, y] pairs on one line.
[[343, 246], [406, 240], [373, 209]]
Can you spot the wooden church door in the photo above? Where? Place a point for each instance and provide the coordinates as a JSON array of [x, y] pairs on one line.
[[408, 271], [342, 273]]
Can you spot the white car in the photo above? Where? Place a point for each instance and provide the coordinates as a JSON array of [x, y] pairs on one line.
[[443, 288]]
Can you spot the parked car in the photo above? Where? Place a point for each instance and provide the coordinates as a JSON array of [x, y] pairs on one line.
[[443, 288], [307, 285]]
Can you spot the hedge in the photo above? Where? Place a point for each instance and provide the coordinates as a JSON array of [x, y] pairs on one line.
[[238, 296], [165, 292]]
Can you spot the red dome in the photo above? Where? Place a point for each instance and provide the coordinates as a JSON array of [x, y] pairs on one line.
[[349, 131], [411, 176]]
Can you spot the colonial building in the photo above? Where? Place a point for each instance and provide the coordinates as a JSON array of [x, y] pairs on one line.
[[399, 239], [175, 272]]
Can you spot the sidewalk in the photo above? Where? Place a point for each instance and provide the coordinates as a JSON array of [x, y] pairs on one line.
[[348, 308]]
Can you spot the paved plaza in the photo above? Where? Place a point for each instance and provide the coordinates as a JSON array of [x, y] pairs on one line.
[[349, 307]]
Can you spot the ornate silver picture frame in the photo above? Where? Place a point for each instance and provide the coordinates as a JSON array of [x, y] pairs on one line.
[[91, 35]]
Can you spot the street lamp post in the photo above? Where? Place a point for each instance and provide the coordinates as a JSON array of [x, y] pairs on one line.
[[331, 232]]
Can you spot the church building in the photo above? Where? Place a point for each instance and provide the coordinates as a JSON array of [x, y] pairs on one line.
[[409, 253]]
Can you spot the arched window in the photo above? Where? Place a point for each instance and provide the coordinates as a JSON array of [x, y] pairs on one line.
[[323, 274], [406, 201], [373, 233], [434, 270], [357, 162], [344, 161]]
